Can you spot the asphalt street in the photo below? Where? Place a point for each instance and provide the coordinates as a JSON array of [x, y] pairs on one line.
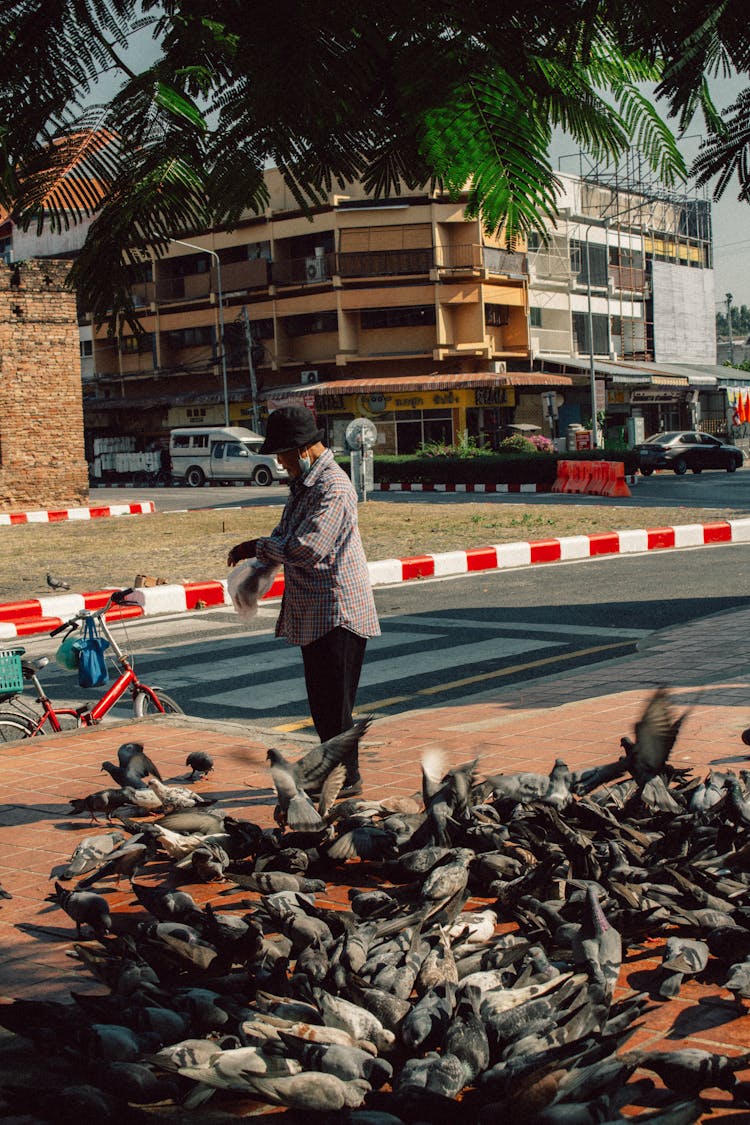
[[663, 489], [443, 640]]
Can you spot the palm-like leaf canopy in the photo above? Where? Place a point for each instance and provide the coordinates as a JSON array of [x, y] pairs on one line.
[[397, 94]]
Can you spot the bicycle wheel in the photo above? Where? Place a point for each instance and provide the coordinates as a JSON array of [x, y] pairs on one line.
[[143, 704], [14, 727]]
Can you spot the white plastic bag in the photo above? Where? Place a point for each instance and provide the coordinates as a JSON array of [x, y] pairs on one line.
[[248, 583]]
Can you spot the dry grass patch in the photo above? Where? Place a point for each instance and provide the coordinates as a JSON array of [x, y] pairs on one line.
[[192, 546]]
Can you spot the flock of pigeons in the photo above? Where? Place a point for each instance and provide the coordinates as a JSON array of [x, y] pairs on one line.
[[472, 977]]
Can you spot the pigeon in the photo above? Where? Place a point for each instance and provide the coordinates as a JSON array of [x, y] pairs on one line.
[[85, 908], [294, 809], [597, 947], [311, 770], [173, 797], [737, 805], [682, 957], [90, 853], [134, 764], [200, 764], [655, 734], [56, 583], [104, 801], [124, 861]]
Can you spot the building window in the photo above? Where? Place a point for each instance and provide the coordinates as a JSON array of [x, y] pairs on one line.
[[135, 345], [581, 337], [87, 349], [411, 317], [592, 255], [310, 323], [535, 317], [497, 316], [262, 329], [200, 336], [626, 256]]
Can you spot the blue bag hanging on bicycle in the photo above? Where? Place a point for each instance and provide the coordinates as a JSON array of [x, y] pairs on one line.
[[92, 665]]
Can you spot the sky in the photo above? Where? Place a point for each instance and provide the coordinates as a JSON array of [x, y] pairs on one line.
[[731, 218]]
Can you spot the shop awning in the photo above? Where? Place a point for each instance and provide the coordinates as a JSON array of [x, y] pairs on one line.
[[643, 373], [406, 383]]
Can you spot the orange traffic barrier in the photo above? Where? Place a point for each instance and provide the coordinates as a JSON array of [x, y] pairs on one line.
[[597, 477], [563, 474], [580, 476], [616, 484]]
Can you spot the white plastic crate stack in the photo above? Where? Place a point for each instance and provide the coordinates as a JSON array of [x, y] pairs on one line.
[[118, 455]]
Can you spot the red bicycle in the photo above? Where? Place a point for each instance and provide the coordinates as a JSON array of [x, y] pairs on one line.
[[29, 721]]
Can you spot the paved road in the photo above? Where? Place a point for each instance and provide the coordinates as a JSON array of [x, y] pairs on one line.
[[707, 490], [442, 639]]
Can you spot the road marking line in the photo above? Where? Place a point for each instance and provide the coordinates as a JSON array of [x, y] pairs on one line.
[[499, 674]]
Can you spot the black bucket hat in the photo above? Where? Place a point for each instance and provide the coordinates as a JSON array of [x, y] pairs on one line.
[[290, 427]]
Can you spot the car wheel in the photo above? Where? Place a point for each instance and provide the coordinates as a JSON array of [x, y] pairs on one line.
[[696, 471], [680, 466], [195, 476], [262, 476], [646, 472], [732, 467]]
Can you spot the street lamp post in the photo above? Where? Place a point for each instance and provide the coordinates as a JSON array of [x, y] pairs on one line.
[[592, 365], [222, 345]]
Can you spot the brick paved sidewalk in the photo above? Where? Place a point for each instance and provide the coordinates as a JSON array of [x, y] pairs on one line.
[[579, 716]]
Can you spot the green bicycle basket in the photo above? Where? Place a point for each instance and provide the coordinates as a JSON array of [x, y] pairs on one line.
[[11, 673]]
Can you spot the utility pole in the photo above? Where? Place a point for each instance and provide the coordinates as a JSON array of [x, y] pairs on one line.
[[731, 333], [251, 366]]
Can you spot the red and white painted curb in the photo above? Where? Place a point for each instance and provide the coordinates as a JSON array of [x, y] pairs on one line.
[[412, 486], [41, 615], [57, 515]]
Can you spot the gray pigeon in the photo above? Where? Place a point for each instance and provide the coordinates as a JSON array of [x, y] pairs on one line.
[[200, 763], [294, 809], [597, 947], [90, 853], [311, 770], [85, 908], [56, 583], [682, 957], [655, 734]]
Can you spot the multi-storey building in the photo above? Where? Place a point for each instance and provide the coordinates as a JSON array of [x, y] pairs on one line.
[[621, 296], [401, 309], [404, 310]]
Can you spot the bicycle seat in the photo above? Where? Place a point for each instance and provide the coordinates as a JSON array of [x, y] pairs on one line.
[[31, 667]]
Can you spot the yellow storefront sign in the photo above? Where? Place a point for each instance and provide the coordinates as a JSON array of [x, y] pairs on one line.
[[376, 404]]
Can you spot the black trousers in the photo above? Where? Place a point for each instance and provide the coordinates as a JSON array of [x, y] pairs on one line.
[[332, 667]]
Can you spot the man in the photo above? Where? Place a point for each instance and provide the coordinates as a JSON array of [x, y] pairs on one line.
[[327, 607]]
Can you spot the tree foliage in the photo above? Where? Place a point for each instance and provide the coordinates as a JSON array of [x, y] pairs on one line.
[[395, 93]]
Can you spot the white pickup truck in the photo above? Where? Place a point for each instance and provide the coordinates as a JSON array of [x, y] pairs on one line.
[[221, 453]]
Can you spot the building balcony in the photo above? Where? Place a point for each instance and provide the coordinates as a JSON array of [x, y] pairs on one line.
[[315, 269], [385, 263], [550, 341], [481, 261]]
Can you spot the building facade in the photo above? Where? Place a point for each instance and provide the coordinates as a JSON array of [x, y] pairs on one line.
[[329, 308], [621, 297]]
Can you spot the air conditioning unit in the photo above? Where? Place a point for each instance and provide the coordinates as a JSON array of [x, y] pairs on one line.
[[315, 269], [499, 367], [308, 376]]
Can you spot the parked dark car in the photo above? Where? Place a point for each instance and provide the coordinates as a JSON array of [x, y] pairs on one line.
[[681, 450]]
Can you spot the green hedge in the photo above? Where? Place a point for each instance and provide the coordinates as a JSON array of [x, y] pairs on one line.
[[495, 468]]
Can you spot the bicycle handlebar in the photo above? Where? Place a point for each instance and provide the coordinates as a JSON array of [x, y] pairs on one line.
[[116, 598]]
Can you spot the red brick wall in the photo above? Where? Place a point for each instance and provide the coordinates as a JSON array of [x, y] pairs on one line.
[[42, 462]]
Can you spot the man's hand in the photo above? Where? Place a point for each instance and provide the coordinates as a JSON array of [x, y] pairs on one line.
[[242, 551]]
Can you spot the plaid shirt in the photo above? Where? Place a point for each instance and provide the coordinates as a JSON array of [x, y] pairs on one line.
[[326, 579]]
